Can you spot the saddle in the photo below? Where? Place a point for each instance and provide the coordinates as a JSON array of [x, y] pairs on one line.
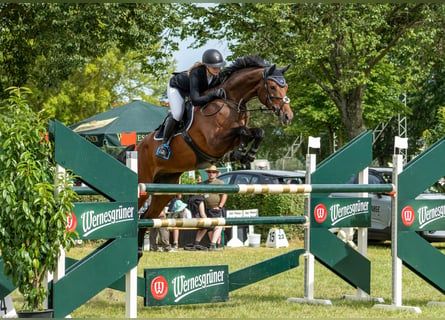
[[203, 160], [183, 125]]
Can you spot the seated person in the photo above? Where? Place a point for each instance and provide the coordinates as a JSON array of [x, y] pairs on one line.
[[213, 232], [178, 211], [210, 207]]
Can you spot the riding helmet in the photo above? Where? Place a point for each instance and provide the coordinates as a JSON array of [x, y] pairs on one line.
[[213, 58]]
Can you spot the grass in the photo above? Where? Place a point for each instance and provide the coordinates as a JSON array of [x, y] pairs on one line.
[[268, 298]]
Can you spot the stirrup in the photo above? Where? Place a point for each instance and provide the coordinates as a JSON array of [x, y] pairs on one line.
[[163, 151]]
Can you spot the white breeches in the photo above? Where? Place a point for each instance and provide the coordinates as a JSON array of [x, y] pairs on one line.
[[176, 102]]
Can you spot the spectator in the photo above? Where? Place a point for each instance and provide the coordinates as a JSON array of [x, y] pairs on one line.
[[194, 200], [211, 207], [179, 211], [163, 237]]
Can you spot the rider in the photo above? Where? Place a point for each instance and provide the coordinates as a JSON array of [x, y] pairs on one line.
[[192, 83]]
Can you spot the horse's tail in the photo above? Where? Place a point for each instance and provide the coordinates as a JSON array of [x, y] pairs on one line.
[[122, 157]]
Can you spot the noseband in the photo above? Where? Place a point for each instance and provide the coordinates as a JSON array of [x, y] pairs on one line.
[[281, 82]]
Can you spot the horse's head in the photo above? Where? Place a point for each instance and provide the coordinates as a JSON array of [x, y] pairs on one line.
[[273, 93]]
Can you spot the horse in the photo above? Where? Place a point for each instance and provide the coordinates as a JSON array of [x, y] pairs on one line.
[[217, 129]]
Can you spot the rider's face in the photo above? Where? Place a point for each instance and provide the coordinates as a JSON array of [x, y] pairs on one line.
[[211, 71]]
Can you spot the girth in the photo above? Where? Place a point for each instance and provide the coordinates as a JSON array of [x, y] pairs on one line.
[[203, 160]]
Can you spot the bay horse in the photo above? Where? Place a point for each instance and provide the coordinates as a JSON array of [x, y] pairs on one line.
[[216, 130]]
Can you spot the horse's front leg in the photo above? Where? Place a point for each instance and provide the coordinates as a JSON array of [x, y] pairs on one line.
[[258, 136], [244, 137]]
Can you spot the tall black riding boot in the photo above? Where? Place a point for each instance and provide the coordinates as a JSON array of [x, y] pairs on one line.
[[163, 151]]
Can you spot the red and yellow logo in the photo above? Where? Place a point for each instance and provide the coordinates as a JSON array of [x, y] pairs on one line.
[[159, 288], [320, 213]]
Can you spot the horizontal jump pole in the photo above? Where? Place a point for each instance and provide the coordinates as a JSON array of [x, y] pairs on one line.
[[209, 222], [85, 191], [165, 188]]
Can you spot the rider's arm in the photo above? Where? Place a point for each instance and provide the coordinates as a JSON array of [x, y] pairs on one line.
[[195, 95]]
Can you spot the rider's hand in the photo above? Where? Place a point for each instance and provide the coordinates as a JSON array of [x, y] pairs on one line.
[[219, 93]]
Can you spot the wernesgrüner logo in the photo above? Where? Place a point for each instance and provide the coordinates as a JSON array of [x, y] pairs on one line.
[[427, 215], [92, 221], [159, 288], [339, 213], [183, 286]]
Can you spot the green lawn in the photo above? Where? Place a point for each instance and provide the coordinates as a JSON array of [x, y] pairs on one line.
[[268, 298]]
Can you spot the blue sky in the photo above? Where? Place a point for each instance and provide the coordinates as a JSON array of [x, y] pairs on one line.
[[185, 57]]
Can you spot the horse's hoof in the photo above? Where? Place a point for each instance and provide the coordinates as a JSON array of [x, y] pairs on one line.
[[236, 155], [244, 160]]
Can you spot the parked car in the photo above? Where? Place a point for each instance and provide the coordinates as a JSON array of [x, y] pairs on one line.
[[380, 229], [262, 177]]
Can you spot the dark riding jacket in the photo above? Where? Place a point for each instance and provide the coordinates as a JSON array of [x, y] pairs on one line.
[[194, 85]]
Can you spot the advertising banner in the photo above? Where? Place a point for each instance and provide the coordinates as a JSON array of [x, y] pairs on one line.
[[422, 215], [186, 285], [340, 212], [104, 220]]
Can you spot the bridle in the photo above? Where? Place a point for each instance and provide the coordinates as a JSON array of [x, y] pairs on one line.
[[284, 100], [241, 105]]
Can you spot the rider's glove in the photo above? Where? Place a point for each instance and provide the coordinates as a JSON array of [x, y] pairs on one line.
[[219, 93]]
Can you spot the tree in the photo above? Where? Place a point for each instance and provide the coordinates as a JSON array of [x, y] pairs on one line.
[[43, 43], [342, 48], [428, 101], [34, 216], [106, 82]]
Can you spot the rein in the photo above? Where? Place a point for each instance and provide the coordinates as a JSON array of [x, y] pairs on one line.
[[241, 106], [238, 106]]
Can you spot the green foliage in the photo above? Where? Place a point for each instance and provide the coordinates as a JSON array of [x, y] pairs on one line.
[[186, 179], [432, 135], [103, 83], [361, 57], [428, 101], [44, 43], [277, 139], [271, 205], [33, 218]]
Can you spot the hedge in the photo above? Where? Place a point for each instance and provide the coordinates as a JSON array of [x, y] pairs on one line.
[[271, 205]]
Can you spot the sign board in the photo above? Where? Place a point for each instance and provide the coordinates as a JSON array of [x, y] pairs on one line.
[[422, 215], [276, 238], [249, 213], [104, 220], [186, 285], [234, 213], [340, 212]]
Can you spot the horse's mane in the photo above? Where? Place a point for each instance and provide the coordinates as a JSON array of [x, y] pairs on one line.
[[252, 61]]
